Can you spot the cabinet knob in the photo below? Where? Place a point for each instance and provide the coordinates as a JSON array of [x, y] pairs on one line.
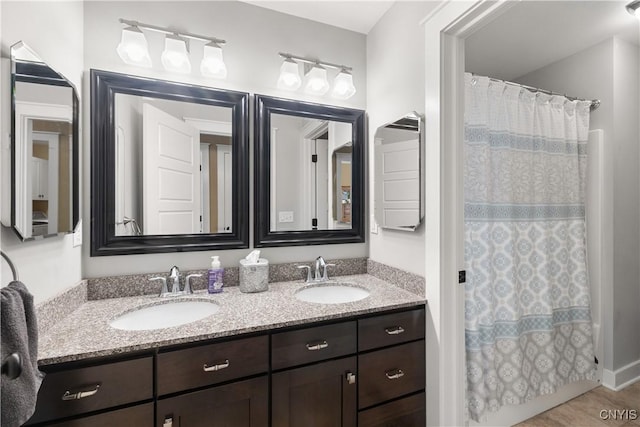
[[351, 378], [168, 422]]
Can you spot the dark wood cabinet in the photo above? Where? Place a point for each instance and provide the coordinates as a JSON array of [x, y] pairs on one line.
[[320, 395], [138, 416], [239, 404], [367, 371], [81, 390]]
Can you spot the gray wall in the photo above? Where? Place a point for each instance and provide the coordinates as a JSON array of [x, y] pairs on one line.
[[55, 31], [609, 71], [395, 87], [255, 36]]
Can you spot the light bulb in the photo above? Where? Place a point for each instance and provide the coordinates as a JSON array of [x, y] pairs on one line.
[[316, 81], [212, 62], [175, 56], [133, 48], [343, 87], [289, 76]]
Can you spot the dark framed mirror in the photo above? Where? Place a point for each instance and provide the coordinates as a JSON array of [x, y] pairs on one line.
[[169, 166], [309, 173], [45, 199]]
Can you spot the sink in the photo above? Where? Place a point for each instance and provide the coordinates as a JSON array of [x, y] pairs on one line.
[[332, 293], [164, 315]]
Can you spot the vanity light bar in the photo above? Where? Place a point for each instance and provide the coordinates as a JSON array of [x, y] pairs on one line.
[[316, 82], [315, 62], [164, 30]]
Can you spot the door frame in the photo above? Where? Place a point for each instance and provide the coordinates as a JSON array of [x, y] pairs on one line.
[[445, 30]]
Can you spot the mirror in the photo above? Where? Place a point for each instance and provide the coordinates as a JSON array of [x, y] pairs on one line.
[[44, 144], [399, 168], [169, 165], [309, 173]]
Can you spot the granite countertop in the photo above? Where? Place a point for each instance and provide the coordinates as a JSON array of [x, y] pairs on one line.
[[85, 333]]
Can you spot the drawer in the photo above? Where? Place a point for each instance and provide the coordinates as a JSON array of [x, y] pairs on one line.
[[81, 390], [312, 344], [139, 416], [390, 329], [211, 364], [390, 373], [409, 411]]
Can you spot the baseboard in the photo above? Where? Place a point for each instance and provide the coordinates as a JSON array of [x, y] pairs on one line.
[[619, 379]]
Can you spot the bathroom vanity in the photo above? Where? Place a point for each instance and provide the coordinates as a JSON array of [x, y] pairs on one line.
[[288, 362]]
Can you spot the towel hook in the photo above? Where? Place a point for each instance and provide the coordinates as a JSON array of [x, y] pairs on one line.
[[14, 270]]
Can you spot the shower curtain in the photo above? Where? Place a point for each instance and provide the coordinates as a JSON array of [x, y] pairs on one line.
[[527, 305]]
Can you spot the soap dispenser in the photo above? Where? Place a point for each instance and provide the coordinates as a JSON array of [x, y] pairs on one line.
[[215, 276]]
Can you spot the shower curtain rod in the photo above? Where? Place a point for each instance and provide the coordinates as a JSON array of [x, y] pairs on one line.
[[595, 103]]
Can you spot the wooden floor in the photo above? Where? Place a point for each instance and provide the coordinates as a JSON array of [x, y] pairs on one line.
[[594, 408]]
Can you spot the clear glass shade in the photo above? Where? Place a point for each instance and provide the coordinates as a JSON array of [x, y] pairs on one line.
[[315, 81], [289, 75], [343, 87], [212, 62], [175, 56], [133, 48]]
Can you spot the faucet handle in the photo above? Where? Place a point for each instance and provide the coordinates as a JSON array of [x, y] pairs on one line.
[[164, 289], [308, 272], [187, 283], [325, 274]]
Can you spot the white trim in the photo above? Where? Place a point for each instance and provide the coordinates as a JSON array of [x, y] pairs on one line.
[[205, 194], [213, 127], [221, 153], [623, 377], [445, 30], [273, 221]]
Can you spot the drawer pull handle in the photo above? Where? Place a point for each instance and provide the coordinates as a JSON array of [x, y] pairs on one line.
[[395, 374], [317, 346], [80, 395], [396, 330], [217, 367]]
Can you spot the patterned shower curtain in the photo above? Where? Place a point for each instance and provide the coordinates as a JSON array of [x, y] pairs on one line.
[[527, 305]]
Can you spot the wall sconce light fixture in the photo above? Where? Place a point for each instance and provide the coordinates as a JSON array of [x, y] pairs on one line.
[[634, 8], [315, 80], [134, 50]]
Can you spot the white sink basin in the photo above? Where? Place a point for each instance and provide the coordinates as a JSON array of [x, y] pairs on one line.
[[332, 293], [164, 315]]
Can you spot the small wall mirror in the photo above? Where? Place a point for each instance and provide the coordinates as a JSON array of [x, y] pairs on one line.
[[44, 145], [169, 165], [309, 173], [399, 170]]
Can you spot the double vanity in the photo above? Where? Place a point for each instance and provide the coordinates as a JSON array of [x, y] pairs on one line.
[[284, 357]]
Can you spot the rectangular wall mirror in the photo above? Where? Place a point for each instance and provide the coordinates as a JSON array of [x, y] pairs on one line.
[[44, 145], [309, 173], [399, 168], [169, 166]]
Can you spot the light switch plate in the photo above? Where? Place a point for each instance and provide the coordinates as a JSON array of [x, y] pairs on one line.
[[77, 235], [285, 216]]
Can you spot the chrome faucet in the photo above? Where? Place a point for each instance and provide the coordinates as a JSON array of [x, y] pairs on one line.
[[174, 277], [320, 272]]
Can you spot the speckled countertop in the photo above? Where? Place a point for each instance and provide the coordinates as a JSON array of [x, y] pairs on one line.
[[85, 333]]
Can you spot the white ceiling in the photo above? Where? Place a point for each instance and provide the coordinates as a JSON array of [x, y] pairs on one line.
[[533, 34], [355, 15]]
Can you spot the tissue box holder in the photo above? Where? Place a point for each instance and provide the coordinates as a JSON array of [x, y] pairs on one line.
[[254, 277]]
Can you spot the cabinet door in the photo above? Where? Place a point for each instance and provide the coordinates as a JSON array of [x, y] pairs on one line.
[[319, 395], [239, 404]]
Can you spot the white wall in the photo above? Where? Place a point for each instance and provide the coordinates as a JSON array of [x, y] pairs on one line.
[[609, 71], [395, 87], [54, 30], [255, 36]]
